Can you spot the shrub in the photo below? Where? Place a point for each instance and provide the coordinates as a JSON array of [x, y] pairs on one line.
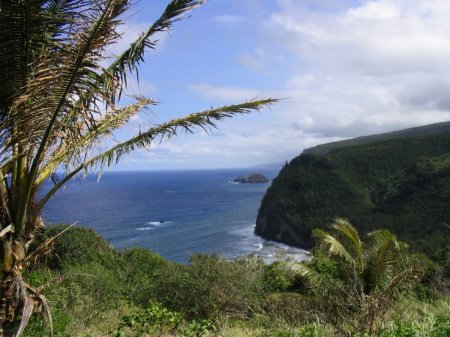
[[211, 287], [289, 307], [426, 290], [442, 258], [78, 245], [38, 327], [87, 290], [278, 278], [136, 268]]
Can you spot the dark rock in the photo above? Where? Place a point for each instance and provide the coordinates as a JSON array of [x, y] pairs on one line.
[[240, 180], [257, 178], [254, 178]]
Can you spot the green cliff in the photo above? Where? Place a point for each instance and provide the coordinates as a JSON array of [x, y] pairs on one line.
[[398, 180]]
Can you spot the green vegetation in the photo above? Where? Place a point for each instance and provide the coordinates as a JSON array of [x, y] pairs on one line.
[[363, 278], [60, 97], [96, 290], [59, 102], [420, 131], [402, 184]]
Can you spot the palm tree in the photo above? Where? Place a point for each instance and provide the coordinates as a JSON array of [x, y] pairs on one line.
[[366, 279], [58, 102]]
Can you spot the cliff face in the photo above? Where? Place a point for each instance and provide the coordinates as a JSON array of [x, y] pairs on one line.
[[402, 184]]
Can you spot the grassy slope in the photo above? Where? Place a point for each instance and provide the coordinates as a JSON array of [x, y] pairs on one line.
[[96, 290], [402, 184]]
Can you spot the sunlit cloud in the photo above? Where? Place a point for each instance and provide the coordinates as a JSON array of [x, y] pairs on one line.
[[376, 67]]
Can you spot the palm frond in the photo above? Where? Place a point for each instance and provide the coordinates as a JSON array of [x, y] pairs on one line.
[[31, 35], [62, 72], [130, 59], [347, 231], [205, 120], [312, 278], [77, 74], [27, 311], [332, 246], [22, 33], [45, 248], [382, 257], [70, 147], [403, 276]]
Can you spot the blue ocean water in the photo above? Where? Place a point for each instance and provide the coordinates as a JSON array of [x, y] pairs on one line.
[[174, 213]]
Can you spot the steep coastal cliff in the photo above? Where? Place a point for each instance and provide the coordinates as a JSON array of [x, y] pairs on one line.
[[399, 181]]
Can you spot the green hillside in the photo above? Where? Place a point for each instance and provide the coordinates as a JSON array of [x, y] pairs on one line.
[[420, 131], [400, 181]]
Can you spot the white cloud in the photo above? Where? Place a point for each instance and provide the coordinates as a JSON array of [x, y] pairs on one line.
[[376, 11], [348, 68], [370, 68]]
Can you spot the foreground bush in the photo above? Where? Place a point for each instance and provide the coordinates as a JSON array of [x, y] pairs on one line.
[[77, 245], [135, 292], [360, 280], [211, 287]]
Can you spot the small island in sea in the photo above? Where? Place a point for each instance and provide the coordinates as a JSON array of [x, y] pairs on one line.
[[253, 178]]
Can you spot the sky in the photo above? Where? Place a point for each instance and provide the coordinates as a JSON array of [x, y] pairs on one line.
[[343, 68]]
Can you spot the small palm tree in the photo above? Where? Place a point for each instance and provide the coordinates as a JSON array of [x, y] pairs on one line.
[[368, 274], [58, 102]]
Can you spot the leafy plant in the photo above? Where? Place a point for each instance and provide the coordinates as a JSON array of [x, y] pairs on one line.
[[154, 318], [441, 327], [310, 330], [58, 104], [369, 275], [198, 328], [277, 278], [401, 329]]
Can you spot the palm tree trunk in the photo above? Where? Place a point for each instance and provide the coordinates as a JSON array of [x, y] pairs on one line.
[[12, 289], [8, 306]]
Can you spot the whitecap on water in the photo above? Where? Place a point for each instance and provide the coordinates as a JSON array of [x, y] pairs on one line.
[[269, 251], [144, 228], [152, 224], [158, 223]]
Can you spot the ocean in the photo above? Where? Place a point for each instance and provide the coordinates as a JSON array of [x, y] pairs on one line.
[[173, 213]]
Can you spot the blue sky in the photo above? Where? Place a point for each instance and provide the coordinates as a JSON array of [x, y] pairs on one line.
[[346, 68]]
